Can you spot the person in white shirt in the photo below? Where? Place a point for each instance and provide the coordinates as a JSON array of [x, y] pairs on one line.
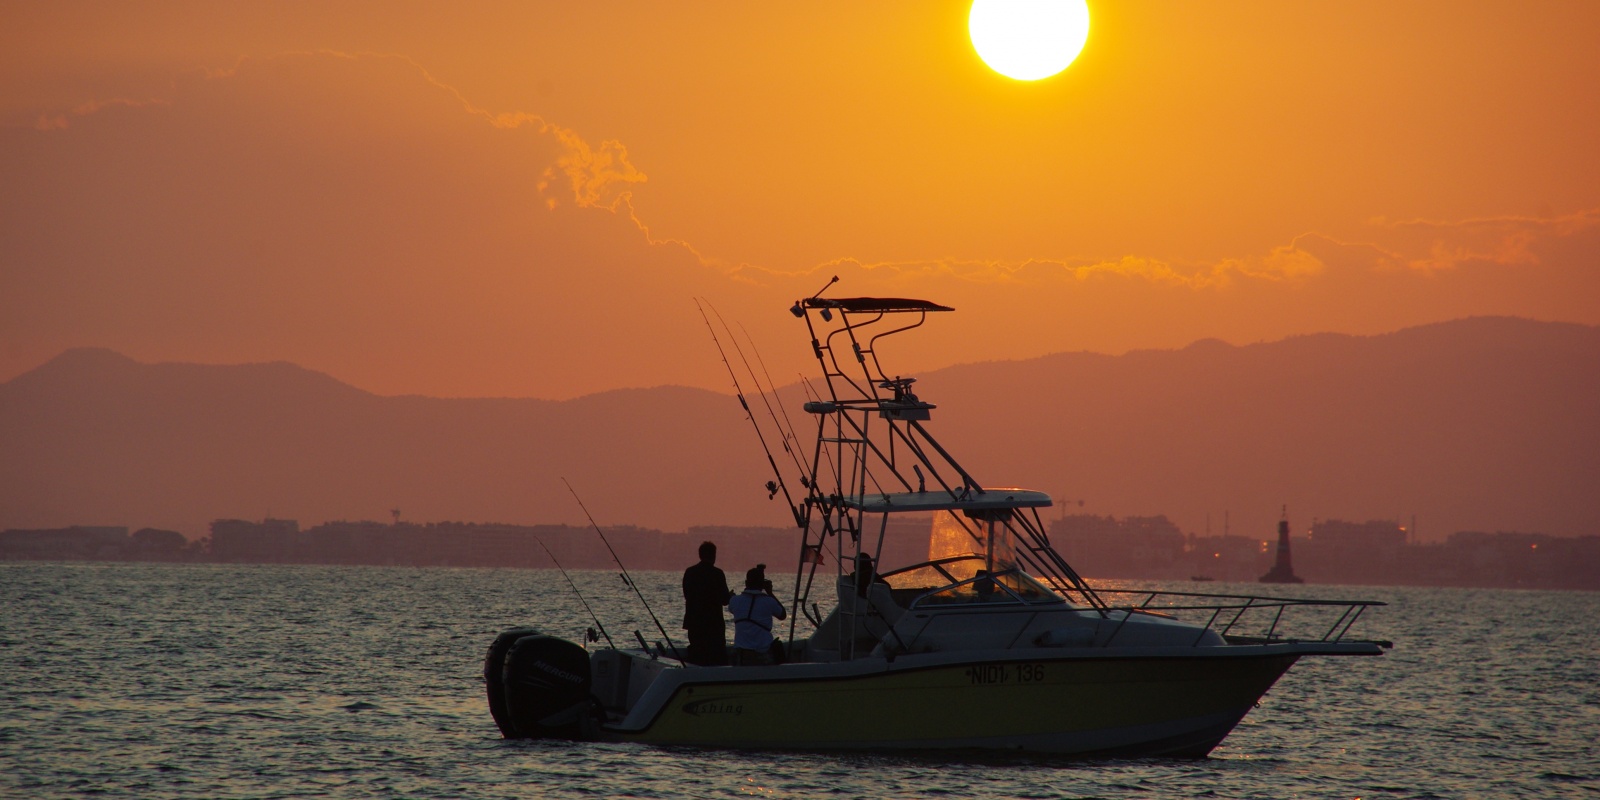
[[753, 611]]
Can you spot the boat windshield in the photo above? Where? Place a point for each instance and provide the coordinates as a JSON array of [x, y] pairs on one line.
[[1011, 586], [936, 573]]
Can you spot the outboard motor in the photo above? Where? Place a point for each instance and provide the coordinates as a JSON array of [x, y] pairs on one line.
[[545, 686], [494, 684]]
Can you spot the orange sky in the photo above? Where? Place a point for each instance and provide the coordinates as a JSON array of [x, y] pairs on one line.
[[523, 198]]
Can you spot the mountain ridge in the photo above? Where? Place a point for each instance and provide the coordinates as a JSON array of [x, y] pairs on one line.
[[1480, 423]]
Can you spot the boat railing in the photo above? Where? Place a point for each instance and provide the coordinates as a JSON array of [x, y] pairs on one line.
[[1232, 615]]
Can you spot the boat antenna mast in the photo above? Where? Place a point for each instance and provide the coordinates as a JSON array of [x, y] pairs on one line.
[[626, 578], [898, 453]]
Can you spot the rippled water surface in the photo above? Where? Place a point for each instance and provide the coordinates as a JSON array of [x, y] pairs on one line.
[[155, 681]]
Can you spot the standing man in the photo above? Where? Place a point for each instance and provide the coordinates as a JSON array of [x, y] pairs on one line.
[[753, 612], [705, 592]]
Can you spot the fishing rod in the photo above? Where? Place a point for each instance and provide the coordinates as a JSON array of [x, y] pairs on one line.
[[770, 383], [772, 486], [626, 578], [575, 591], [801, 513], [783, 433]]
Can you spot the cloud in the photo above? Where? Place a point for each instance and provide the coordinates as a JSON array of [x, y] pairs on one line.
[[597, 175], [1564, 225], [59, 120], [1421, 246], [347, 212], [1285, 263], [352, 213], [1509, 241]]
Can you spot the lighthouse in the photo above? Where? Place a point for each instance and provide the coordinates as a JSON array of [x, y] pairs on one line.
[[1282, 571]]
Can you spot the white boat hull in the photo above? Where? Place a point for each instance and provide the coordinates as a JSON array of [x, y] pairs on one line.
[[1106, 703]]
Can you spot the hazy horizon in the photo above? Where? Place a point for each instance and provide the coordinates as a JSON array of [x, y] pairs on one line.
[[726, 388], [1476, 424]]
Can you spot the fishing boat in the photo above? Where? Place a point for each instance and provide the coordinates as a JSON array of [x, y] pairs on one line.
[[993, 642]]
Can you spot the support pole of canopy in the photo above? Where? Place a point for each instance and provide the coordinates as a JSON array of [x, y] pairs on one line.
[[988, 548]]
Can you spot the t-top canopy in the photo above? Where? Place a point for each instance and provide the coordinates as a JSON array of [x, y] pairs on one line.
[[940, 500], [872, 304]]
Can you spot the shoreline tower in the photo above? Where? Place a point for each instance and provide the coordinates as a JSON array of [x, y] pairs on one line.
[[1282, 571]]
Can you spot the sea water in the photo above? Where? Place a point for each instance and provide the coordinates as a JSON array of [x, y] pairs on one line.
[[158, 681]]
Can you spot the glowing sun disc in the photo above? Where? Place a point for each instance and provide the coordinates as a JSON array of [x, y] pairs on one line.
[[1028, 39]]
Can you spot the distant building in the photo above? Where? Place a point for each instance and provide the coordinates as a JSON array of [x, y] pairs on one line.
[[1335, 552], [79, 542], [155, 543], [1133, 547], [1352, 552], [1371, 535], [1514, 559], [341, 542], [270, 541], [739, 547]]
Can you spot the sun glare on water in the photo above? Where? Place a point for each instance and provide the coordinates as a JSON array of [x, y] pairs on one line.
[[1028, 39]]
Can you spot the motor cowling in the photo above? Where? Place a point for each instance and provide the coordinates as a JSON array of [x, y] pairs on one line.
[[546, 684], [494, 684]]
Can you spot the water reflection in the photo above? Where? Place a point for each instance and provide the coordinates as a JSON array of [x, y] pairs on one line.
[[156, 681]]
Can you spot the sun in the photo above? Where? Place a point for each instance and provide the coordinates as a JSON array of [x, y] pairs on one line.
[[1028, 39]]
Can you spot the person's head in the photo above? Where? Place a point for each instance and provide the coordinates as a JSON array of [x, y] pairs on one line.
[[863, 576], [708, 552], [864, 564], [756, 578]]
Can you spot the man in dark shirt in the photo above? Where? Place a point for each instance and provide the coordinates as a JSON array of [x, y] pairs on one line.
[[705, 592]]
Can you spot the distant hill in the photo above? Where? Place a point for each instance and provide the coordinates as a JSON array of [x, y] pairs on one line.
[[1484, 424], [1478, 424], [94, 436]]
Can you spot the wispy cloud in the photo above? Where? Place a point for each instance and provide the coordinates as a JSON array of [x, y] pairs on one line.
[[1285, 263], [595, 175], [601, 175], [1420, 246], [1512, 241], [60, 120]]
